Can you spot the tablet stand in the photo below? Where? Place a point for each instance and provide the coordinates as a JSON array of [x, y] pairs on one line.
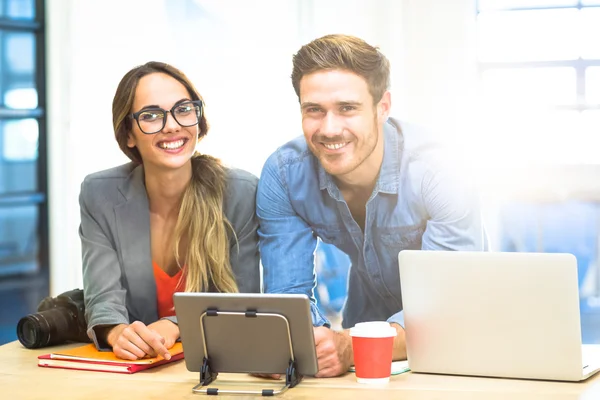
[[207, 375]]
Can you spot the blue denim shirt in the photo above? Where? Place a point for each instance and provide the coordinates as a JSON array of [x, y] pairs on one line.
[[420, 201]]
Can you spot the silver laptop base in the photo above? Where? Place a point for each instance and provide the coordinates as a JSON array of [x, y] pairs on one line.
[[207, 375]]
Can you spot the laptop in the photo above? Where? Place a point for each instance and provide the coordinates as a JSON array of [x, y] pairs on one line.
[[513, 315]]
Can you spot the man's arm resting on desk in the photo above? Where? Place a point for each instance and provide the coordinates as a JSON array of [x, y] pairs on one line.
[[334, 350], [287, 242]]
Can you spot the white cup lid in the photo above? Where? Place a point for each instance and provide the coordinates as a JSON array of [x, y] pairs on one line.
[[375, 329]]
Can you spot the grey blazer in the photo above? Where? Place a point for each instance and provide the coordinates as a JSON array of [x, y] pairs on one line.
[[118, 280]]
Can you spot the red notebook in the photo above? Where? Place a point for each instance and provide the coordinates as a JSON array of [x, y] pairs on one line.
[[87, 358]]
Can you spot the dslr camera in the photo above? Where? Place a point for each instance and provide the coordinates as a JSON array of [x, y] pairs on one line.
[[57, 321]]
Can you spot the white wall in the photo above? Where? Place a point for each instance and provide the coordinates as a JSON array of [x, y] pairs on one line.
[[379, 22], [441, 63], [241, 67], [238, 53], [432, 50]]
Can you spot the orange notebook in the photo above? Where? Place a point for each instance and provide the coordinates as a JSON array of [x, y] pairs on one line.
[[87, 358]]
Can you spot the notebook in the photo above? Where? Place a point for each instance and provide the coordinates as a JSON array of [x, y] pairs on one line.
[[87, 358], [512, 315]]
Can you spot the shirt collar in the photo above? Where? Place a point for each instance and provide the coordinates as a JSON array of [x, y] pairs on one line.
[[135, 184], [388, 179], [389, 175]]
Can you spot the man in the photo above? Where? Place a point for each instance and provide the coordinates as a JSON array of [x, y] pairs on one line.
[[361, 181]]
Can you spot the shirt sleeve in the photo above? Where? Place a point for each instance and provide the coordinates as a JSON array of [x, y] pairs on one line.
[[397, 318], [455, 220], [104, 295], [287, 243], [453, 205]]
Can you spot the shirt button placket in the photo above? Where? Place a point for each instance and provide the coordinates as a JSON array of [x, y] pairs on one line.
[[371, 264]]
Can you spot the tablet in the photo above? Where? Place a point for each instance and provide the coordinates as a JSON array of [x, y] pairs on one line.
[[256, 343]]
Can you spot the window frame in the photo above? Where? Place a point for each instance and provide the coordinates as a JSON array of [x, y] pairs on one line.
[[38, 197], [578, 64]]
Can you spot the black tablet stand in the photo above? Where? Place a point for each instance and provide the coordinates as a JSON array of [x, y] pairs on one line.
[[208, 375]]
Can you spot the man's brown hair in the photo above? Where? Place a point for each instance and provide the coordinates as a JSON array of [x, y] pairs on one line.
[[346, 53]]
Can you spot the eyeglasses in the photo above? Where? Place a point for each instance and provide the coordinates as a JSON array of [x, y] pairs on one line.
[[153, 120]]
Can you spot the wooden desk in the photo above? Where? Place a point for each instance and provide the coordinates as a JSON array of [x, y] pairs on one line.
[[22, 379]]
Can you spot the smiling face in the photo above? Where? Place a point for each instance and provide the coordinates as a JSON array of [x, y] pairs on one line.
[[174, 145], [341, 124]]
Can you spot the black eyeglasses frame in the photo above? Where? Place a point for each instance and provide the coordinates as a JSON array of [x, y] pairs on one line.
[[135, 116]]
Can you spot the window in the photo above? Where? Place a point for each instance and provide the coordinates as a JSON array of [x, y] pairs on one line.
[[23, 202], [539, 64], [540, 78]]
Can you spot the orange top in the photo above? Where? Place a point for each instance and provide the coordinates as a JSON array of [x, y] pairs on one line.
[[166, 286]]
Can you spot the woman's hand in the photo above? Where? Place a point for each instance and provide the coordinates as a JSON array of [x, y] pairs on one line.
[[166, 329], [136, 340]]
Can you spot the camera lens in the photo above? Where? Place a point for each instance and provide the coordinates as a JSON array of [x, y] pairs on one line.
[[45, 328], [30, 332]]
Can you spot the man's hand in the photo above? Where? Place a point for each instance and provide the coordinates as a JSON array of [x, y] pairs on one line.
[[135, 341], [334, 352], [399, 342]]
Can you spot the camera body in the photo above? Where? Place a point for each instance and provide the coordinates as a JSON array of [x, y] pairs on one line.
[[57, 321]]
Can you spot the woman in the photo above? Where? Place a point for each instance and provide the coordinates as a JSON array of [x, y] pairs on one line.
[[170, 220]]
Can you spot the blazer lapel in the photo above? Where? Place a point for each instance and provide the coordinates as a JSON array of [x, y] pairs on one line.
[[133, 229]]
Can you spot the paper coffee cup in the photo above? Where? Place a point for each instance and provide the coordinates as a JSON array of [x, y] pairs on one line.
[[373, 343]]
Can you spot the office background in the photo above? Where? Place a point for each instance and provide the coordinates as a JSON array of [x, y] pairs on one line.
[[512, 86]]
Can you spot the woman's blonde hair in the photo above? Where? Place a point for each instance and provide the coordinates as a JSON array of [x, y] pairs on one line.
[[201, 219]]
